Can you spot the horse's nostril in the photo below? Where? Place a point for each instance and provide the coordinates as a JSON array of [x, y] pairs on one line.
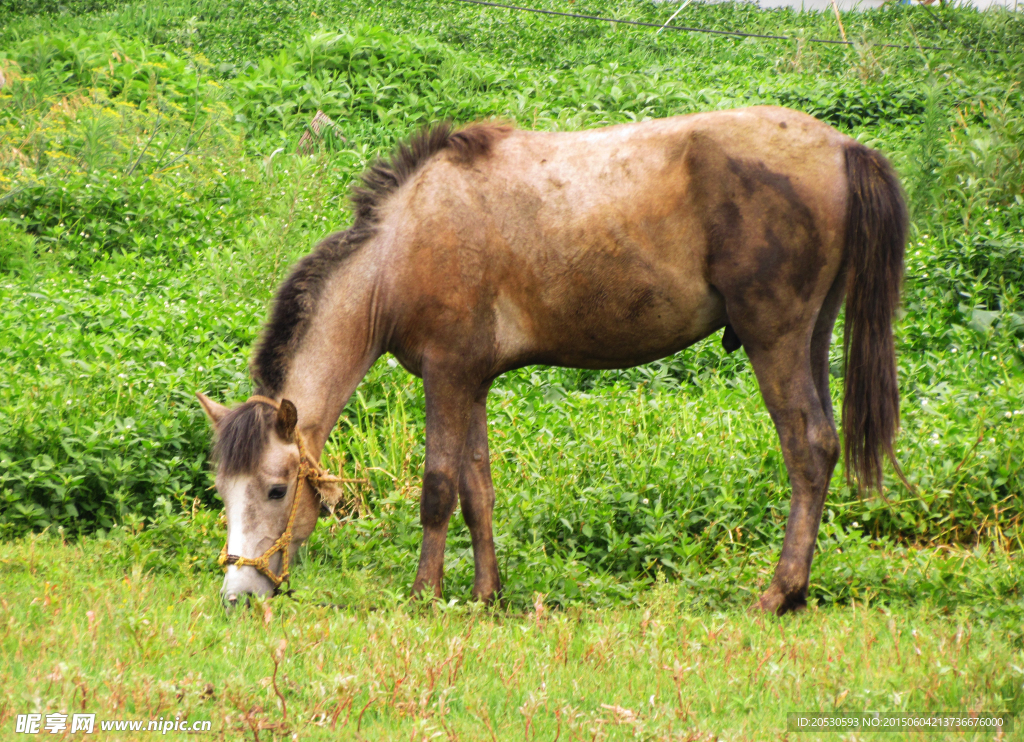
[[231, 602]]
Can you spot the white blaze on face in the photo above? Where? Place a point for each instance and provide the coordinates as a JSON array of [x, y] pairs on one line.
[[234, 507], [241, 580]]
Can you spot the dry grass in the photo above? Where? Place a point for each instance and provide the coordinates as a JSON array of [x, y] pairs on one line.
[[75, 637]]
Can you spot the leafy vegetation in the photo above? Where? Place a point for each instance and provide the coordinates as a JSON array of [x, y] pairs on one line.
[[154, 193]]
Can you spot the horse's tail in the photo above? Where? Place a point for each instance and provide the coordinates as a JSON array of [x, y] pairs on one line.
[[876, 233]]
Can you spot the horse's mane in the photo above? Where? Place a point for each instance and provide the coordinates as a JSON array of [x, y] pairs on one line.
[[298, 296]]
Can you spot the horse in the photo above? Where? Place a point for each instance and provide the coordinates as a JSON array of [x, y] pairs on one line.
[[479, 250]]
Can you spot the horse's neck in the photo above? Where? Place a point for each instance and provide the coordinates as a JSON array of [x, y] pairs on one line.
[[336, 351]]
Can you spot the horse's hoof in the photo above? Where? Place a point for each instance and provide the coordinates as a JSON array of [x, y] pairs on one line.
[[488, 594], [775, 601]]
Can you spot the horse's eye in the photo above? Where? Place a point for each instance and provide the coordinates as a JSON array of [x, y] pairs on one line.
[[278, 491]]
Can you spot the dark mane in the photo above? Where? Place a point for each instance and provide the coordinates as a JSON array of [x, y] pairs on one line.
[[297, 298], [241, 437]]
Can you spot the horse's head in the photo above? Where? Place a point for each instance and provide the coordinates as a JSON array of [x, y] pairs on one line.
[[264, 478]]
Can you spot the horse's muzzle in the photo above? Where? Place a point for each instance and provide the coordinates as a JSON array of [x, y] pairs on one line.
[[240, 583]]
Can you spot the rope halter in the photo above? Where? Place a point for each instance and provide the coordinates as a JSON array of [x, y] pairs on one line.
[[309, 471]]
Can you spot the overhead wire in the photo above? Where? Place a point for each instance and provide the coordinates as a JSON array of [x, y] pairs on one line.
[[714, 31]]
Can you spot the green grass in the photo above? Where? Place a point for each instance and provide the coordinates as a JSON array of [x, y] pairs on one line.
[[146, 219], [136, 158], [134, 645]]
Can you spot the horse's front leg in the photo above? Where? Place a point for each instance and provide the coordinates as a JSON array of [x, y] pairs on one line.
[[449, 410], [476, 492]]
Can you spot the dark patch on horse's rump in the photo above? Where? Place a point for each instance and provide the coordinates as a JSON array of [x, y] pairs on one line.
[[781, 257], [755, 176], [723, 228], [771, 261], [789, 253]]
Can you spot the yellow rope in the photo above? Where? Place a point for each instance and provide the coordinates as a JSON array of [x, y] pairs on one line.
[[308, 471]]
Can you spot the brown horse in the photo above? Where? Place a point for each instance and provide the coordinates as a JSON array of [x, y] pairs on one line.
[[482, 250]]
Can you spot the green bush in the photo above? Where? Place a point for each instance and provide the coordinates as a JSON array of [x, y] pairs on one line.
[[362, 75], [126, 151], [99, 417], [146, 216], [19, 253]]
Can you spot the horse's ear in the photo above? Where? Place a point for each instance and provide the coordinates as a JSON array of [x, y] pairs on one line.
[[287, 417], [214, 411]]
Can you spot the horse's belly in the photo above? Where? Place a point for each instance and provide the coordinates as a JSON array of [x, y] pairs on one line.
[[622, 326]]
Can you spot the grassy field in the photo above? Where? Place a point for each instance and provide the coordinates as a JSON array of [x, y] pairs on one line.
[[152, 195], [128, 644]]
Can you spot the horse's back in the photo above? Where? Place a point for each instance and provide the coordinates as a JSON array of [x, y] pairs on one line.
[[616, 246]]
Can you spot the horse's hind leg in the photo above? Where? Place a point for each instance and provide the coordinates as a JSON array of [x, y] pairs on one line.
[[821, 340], [450, 400], [810, 447], [476, 492]]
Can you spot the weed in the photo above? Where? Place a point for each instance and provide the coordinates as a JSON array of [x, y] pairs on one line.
[[154, 193]]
